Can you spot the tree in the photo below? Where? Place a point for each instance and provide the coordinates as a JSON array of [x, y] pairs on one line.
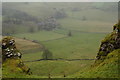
[[69, 33], [47, 54]]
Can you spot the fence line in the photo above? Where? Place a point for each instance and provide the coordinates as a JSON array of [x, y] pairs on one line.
[[58, 60]]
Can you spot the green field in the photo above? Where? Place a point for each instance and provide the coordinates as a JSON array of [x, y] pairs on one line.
[[79, 46], [86, 26], [57, 68], [40, 36], [73, 46]]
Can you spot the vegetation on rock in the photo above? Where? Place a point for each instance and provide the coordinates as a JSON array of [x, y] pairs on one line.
[[12, 63], [110, 43]]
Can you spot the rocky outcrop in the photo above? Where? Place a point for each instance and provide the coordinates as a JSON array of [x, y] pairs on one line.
[[11, 58], [110, 43], [9, 49]]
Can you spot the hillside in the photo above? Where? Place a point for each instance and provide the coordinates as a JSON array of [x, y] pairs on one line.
[[107, 62], [106, 69]]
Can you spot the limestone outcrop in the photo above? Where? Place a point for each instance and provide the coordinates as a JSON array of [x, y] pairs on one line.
[[11, 59], [110, 43]]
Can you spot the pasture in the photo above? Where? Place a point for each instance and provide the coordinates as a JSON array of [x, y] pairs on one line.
[[80, 45]]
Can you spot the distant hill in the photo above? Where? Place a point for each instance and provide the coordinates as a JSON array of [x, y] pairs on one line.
[[27, 16]]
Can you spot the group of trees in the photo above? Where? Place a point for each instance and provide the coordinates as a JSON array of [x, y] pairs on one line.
[[51, 23], [60, 13], [48, 24]]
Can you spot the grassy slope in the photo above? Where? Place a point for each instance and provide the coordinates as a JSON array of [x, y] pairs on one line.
[[108, 68], [13, 67], [57, 68], [77, 49], [77, 44], [10, 69]]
